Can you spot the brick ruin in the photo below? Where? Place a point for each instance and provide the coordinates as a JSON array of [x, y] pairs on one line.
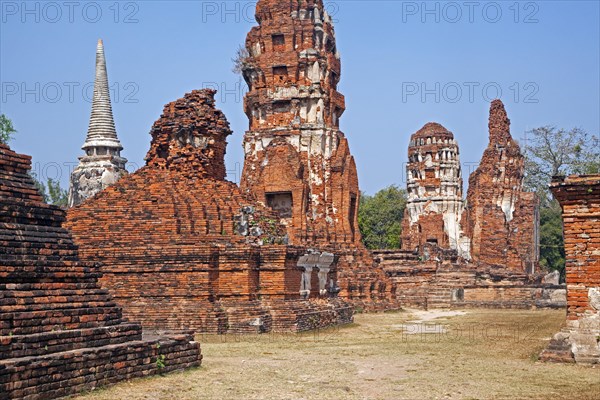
[[183, 248], [501, 219], [478, 253], [579, 341], [434, 187], [60, 333], [102, 164], [297, 161]]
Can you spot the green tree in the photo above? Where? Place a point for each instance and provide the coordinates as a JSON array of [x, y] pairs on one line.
[[553, 152], [52, 192], [56, 194], [552, 250], [6, 129], [380, 218]]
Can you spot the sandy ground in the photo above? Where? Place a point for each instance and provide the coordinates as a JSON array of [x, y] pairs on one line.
[[474, 354]]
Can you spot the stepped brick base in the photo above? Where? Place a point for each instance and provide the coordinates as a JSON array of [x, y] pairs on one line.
[[60, 332], [59, 374]]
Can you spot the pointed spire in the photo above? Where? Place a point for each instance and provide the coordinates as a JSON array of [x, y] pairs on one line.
[[101, 131], [499, 124]]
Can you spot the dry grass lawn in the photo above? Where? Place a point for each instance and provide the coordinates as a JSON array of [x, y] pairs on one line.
[[479, 354]]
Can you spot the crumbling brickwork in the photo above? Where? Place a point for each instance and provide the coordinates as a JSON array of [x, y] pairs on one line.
[[579, 197], [60, 332], [297, 161], [296, 158], [500, 218], [434, 188], [184, 249]]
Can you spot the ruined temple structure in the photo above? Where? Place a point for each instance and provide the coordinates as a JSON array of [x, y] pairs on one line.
[[579, 341], [478, 253], [297, 161], [102, 164], [60, 332], [434, 188], [182, 248], [500, 218]]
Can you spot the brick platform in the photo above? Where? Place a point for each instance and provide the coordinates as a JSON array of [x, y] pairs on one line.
[[60, 332], [183, 249], [447, 283]]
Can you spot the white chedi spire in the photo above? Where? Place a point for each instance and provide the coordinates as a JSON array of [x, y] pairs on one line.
[[101, 131], [102, 164]]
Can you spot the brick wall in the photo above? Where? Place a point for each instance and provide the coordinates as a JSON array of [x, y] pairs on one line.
[[579, 197]]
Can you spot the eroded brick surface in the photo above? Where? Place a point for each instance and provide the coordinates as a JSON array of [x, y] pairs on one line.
[[184, 249], [500, 218], [579, 197], [60, 332]]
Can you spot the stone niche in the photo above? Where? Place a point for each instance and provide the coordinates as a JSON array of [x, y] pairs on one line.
[[282, 203], [579, 341], [183, 248], [61, 333]]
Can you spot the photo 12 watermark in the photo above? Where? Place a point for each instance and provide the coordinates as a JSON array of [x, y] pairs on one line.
[[59, 170], [228, 92], [54, 12], [244, 11], [453, 12], [65, 92], [470, 92]]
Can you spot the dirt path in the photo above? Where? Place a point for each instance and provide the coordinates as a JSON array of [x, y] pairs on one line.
[[479, 354]]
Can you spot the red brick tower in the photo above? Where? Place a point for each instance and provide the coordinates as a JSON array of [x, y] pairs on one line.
[[297, 161], [500, 218]]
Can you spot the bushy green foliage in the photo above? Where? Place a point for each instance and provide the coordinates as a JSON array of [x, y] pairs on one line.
[[6, 129], [380, 218], [52, 192], [552, 251], [553, 152]]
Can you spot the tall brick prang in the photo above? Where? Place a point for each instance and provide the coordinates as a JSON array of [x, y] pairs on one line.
[[579, 197], [434, 187], [500, 218], [297, 161], [184, 249], [60, 332], [102, 164]]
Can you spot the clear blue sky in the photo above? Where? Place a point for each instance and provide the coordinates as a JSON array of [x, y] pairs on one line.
[[544, 56]]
